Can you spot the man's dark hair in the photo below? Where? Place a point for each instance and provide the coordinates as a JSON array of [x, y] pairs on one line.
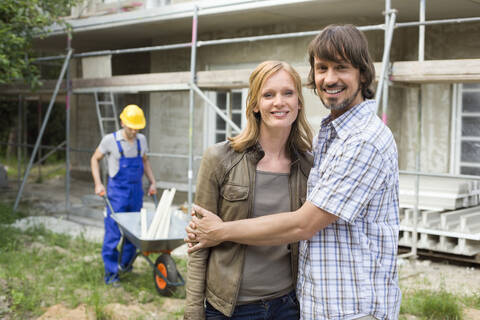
[[347, 43]]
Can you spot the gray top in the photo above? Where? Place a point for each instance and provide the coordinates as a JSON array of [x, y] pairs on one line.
[[267, 272], [109, 148]]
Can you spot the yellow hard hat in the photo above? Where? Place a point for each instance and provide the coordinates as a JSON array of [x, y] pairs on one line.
[[132, 116]]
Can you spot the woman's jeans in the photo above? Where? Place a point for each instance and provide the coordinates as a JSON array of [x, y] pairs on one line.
[[282, 308]]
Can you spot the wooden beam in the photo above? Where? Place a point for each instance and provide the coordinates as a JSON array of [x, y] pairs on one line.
[[433, 71]]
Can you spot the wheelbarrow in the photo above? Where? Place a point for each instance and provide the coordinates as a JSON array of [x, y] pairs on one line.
[[166, 276]]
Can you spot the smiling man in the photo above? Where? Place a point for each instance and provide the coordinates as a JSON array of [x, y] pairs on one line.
[[348, 226]]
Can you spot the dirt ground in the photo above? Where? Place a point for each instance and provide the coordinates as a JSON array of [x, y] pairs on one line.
[[49, 199]]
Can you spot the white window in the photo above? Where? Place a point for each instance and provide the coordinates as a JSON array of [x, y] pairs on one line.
[[232, 104], [468, 129]]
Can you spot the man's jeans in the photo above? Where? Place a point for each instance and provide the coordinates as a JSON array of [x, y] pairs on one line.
[[283, 308]]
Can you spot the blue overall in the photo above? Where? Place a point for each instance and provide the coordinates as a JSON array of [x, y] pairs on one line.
[[125, 193]]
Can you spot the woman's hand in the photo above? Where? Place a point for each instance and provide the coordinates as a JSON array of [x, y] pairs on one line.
[[204, 230]]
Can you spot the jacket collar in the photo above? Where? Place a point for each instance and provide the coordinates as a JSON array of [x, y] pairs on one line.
[[256, 153]]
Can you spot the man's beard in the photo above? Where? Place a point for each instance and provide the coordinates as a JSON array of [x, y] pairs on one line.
[[343, 105]]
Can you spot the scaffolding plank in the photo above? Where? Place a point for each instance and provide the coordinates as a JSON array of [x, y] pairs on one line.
[[459, 70]]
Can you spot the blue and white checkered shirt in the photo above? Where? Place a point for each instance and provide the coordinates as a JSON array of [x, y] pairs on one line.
[[349, 268]]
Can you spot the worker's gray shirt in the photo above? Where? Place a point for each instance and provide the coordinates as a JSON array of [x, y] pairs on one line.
[[108, 146]]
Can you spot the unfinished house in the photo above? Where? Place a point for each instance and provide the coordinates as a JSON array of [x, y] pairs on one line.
[[186, 63]]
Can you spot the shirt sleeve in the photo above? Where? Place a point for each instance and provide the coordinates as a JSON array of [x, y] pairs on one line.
[[106, 143], [355, 175], [143, 144]]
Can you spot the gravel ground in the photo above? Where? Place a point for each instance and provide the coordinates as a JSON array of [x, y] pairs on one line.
[[61, 225], [428, 275]]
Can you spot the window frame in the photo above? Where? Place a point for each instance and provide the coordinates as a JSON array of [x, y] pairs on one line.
[[457, 126], [210, 116]]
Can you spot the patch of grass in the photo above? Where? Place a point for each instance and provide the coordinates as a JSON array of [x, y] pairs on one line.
[[7, 215], [432, 305], [51, 168], [472, 301], [40, 269]]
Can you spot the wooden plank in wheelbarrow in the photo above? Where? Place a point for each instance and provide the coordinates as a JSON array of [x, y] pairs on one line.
[[129, 223]]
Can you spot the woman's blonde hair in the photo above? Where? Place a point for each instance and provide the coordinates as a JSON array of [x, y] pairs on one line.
[[300, 137]]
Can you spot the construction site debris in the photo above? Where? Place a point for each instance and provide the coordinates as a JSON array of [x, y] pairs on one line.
[[438, 193]]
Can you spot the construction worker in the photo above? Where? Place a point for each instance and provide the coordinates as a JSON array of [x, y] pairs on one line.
[[126, 152]]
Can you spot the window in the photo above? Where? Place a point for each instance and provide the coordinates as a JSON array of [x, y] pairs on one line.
[[468, 129], [232, 103]]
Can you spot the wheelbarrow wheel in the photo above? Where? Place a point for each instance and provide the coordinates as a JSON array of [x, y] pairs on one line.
[[166, 266]]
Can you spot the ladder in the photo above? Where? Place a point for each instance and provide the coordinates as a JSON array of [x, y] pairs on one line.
[[107, 120], [106, 112]]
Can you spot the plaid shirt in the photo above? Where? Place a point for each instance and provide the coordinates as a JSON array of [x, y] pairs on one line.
[[349, 268]]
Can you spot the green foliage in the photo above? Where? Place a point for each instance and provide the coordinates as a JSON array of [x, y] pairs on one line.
[[32, 119], [432, 305], [20, 22]]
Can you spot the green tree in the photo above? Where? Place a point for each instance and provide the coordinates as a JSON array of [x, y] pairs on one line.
[[20, 22]]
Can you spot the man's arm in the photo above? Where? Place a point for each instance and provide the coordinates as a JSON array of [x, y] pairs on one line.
[[275, 229], [149, 173], [95, 167]]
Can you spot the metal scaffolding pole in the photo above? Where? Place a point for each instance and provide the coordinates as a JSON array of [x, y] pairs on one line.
[[201, 43], [417, 177], [421, 56], [421, 33], [193, 80], [215, 108], [67, 133], [44, 125], [434, 22], [119, 51], [388, 7], [19, 137], [440, 175], [386, 55]]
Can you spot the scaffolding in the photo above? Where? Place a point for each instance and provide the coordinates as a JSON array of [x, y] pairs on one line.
[[192, 81]]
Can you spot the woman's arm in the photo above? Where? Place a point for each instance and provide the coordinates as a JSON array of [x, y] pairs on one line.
[[207, 195]]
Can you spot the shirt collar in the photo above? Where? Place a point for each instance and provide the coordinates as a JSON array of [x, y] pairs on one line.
[[345, 123], [120, 135]]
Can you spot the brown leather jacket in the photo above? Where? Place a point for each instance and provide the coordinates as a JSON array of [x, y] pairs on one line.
[[225, 185]]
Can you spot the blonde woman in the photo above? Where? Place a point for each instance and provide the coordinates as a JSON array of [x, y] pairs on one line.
[[261, 171]]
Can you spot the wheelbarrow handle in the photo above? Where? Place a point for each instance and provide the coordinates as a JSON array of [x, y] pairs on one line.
[[155, 201], [107, 202]]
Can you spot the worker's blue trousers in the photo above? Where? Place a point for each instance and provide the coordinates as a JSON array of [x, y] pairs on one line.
[[126, 195]]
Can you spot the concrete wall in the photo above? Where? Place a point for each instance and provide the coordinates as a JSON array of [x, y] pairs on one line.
[[169, 117], [435, 129], [85, 132]]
